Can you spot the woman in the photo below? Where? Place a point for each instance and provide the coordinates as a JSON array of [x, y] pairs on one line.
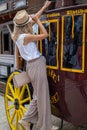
[[39, 109]]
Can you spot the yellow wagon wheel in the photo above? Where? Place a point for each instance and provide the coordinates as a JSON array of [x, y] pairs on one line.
[[16, 102]]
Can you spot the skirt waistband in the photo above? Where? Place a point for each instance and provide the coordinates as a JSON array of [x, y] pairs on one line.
[[34, 59]]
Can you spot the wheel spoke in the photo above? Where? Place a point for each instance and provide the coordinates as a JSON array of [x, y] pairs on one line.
[[21, 127], [25, 100], [13, 115], [12, 90], [10, 107], [10, 98], [18, 92], [23, 108], [22, 92], [16, 120], [21, 113]]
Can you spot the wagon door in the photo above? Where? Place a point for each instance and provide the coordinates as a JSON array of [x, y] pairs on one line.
[[73, 64]]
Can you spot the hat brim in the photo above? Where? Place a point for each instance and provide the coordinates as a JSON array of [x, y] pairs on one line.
[[23, 24]]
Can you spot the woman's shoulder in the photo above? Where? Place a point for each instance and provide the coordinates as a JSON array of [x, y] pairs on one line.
[[20, 38], [22, 35]]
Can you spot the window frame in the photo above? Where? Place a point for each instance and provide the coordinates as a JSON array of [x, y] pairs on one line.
[[83, 44], [2, 43], [57, 37]]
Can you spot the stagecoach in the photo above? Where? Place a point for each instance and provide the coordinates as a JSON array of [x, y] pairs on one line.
[[65, 52]]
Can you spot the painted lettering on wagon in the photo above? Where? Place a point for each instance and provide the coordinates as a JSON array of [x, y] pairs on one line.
[[79, 11], [52, 74], [53, 15], [54, 98]]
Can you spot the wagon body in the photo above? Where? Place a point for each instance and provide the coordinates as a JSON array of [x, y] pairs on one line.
[[65, 52]]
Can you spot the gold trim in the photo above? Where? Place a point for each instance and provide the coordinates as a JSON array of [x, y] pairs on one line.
[[83, 45], [83, 41], [57, 35], [62, 41], [72, 26]]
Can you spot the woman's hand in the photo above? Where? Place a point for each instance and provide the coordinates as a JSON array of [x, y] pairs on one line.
[[34, 18], [47, 3], [40, 12]]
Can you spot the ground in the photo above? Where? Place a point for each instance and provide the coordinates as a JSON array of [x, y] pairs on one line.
[[56, 121]]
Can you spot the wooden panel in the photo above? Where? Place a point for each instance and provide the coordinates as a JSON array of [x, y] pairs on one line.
[[2, 87], [0, 41]]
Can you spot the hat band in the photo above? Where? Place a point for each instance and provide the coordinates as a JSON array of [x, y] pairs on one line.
[[22, 24]]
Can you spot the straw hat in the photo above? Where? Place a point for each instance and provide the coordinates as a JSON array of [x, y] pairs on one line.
[[21, 18]]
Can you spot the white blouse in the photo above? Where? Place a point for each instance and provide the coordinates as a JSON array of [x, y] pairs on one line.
[[29, 51]]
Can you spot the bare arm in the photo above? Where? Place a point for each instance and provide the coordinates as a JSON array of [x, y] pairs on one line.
[[32, 37], [39, 13]]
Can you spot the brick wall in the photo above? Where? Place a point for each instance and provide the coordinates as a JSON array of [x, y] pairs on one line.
[[35, 5], [63, 3], [68, 3]]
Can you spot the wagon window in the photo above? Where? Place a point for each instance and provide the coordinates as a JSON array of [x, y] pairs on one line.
[[49, 46], [6, 42], [73, 43]]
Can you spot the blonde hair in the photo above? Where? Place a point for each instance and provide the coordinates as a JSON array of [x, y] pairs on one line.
[[20, 30]]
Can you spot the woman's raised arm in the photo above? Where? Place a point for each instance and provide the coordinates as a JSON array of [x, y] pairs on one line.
[[39, 13]]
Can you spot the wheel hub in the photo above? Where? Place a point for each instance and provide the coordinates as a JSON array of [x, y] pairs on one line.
[[16, 104]]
